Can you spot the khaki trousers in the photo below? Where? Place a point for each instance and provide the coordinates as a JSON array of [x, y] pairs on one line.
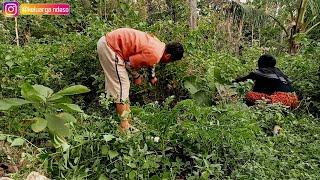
[[117, 83]]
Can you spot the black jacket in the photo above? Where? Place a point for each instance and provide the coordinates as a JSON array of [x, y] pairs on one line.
[[268, 80]]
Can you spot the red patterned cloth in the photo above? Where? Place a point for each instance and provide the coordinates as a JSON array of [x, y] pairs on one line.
[[285, 98]]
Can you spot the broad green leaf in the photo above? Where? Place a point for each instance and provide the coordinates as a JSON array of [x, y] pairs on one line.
[[191, 87], [27, 90], [57, 125], [132, 165], [30, 94], [103, 177], [67, 117], [39, 125], [3, 137], [133, 175], [9, 64], [55, 98], [108, 137], [6, 104], [16, 101], [123, 7], [8, 57], [17, 142], [104, 150], [36, 98], [166, 175], [77, 89], [113, 154], [43, 90], [155, 177], [205, 175], [202, 98], [69, 107], [9, 139]]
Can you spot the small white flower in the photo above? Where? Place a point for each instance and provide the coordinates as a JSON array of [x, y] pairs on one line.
[[277, 130], [156, 139]]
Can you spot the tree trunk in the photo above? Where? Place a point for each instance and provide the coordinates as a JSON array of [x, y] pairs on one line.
[[229, 26], [16, 27], [282, 36], [149, 10], [193, 14], [277, 13], [105, 9], [293, 45], [301, 13], [171, 10], [259, 31], [100, 9], [298, 27], [239, 43], [240, 28], [252, 41]]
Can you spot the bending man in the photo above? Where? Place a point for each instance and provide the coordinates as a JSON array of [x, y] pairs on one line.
[[123, 52]]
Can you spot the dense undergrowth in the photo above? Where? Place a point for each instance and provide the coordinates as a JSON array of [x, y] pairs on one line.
[[193, 124]]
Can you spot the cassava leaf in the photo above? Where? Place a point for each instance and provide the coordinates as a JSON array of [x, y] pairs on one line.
[[29, 93], [43, 90], [6, 104], [17, 142], [39, 125], [108, 137], [56, 125], [77, 89], [69, 107], [67, 117]]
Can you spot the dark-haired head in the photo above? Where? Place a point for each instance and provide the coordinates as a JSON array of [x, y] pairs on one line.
[[173, 52], [266, 61]]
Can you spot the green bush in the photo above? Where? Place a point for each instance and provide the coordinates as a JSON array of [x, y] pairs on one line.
[[182, 134], [192, 141]]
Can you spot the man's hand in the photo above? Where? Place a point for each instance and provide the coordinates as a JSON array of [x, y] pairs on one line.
[[138, 80], [154, 80]]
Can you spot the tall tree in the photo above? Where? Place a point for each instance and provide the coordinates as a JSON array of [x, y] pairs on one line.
[[299, 23], [171, 10], [193, 14], [150, 11]]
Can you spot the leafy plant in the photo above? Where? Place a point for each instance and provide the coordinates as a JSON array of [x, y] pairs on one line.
[[52, 110]]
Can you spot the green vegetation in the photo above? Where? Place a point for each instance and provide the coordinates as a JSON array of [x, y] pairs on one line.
[[192, 125]]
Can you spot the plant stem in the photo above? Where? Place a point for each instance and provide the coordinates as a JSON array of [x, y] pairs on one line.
[[8, 135], [16, 27]]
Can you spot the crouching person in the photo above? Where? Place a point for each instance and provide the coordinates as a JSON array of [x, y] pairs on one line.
[[270, 84], [123, 52]]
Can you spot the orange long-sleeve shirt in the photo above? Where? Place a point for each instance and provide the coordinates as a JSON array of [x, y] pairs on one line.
[[140, 48]]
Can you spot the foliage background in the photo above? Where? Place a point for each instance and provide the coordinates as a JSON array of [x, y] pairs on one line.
[[221, 139]]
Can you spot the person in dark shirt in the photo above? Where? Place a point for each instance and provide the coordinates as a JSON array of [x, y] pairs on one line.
[[270, 83]]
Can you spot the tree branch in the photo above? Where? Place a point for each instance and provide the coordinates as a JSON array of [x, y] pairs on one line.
[[281, 25], [312, 27]]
